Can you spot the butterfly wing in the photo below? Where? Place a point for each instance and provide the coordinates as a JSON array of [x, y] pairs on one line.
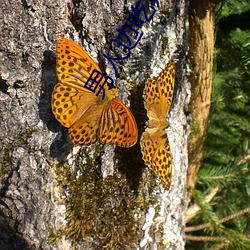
[[158, 93], [69, 103], [70, 99], [74, 66], [80, 110], [156, 153], [85, 130], [117, 125]]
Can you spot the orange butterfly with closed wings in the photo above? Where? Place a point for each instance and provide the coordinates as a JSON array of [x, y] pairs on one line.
[[88, 118]]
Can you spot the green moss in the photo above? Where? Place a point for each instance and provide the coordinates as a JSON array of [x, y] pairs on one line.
[[164, 9], [195, 129], [131, 84], [19, 140], [123, 76], [5, 161], [105, 212], [164, 45], [28, 133]]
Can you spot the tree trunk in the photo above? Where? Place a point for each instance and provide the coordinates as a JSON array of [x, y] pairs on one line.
[[54, 195], [201, 40]]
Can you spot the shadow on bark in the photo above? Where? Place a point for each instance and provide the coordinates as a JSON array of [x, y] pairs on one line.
[[9, 239], [61, 145], [131, 163]]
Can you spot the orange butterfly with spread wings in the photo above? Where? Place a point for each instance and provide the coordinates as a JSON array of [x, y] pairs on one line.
[[88, 118], [158, 94]]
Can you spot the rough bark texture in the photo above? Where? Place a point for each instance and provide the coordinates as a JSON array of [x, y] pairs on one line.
[[32, 142], [201, 40]]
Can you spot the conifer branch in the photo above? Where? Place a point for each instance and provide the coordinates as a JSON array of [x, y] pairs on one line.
[[230, 217], [245, 159], [194, 209], [205, 238]]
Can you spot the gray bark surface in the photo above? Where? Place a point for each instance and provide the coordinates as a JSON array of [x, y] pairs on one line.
[[32, 142]]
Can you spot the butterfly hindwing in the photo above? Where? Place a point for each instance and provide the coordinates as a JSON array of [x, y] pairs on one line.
[[84, 131], [156, 154], [118, 125]]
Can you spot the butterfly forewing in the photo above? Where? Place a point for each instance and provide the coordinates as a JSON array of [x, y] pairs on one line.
[[158, 92], [166, 87], [74, 65], [63, 105]]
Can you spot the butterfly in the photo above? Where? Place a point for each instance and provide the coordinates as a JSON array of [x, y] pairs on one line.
[[157, 94], [88, 118]]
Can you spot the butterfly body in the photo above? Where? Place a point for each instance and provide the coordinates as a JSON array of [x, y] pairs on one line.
[[110, 94], [157, 123], [158, 93], [88, 118]]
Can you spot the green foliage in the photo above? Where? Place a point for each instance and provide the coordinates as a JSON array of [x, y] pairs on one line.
[[230, 7], [207, 211], [218, 176], [226, 153]]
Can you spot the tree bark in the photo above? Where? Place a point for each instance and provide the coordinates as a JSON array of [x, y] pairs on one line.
[[46, 184], [201, 40]]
